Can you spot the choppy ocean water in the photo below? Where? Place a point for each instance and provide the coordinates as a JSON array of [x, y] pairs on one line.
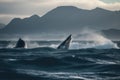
[[40, 60]]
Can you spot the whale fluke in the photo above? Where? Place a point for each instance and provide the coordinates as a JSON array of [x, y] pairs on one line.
[[65, 44], [20, 43]]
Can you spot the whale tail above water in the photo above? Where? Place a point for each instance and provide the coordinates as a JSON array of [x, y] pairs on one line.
[[20, 43], [65, 44]]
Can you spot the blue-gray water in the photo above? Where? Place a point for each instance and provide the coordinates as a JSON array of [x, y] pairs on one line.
[[42, 61]]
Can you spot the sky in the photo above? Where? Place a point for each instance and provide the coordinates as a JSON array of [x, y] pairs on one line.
[[10, 9]]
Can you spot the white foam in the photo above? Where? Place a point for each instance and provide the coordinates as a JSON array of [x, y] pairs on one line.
[[98, 61], [31, 44], [57, 75], [54, 45], [10, 59], [28, 44], [99, 41], [11, 45]]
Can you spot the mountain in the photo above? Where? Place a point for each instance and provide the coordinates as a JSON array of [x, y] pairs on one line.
[[2, 25], [64, 19], [21, 26]]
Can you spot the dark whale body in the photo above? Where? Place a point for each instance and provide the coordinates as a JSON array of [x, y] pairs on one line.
[[20, 43]]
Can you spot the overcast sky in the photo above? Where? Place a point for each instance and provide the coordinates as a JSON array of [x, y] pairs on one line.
[[25, 8]]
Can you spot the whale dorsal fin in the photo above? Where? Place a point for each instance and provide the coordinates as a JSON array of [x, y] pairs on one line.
[[66, 43]]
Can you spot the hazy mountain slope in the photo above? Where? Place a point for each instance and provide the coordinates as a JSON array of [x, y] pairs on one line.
[[64, 19]]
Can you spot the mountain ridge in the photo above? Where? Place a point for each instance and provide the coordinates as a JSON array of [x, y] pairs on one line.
[[64, 19]]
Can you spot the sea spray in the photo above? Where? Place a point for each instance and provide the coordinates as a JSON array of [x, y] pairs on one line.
[[11, 45], [93, 39], [30, 44], [90, 39]]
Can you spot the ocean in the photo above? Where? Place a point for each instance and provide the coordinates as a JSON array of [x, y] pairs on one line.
[[40, 60]]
